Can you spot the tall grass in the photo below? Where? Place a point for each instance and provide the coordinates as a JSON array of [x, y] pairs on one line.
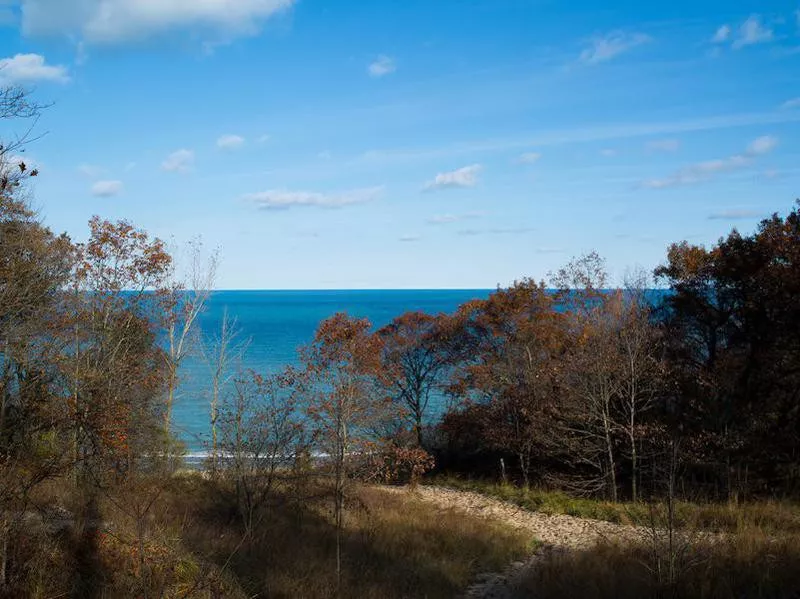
[[747, 565], [394, 546]]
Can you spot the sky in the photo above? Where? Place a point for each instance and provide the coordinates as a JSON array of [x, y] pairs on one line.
[[415, 144]]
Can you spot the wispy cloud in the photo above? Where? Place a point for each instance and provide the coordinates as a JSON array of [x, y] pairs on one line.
[[118, 21], [106, 189], [180, 161], [383, 65], [663, 145], [283, 199], [705, 170], [262, 139], [466, 176], [722, 34], [602, 132], [608, 153], [789, 104], [529, 158], [605, 47], [409, 238], [752, 31], [30, 68], [230, 142], [446, 219], [734, 215]]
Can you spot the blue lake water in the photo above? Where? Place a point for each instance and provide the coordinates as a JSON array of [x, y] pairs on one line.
[[277, 323]]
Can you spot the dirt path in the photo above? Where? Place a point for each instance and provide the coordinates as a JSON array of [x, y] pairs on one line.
[[557, 533]]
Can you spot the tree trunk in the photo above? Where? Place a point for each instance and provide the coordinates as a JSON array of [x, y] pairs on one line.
[[634, 460], [612, 466], [418, 426], [524, 466]]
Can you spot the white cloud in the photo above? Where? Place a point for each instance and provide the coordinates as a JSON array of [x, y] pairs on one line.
[[29, 68], [789, 104], [283, 199], [529, 158], [263, 139], [734, 215], [722, 34], [463, 177], [762, 145], [383, 65], [663, 145], [703, 171], [115, 21], [106, 189], [446, 219], [180, 161], [752, 32], [608, 153], [230, 142], [603, 48]]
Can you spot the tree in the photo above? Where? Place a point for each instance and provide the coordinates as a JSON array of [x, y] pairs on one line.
[[186, 304], [642, 367], [733, 340], [592, 369], [34, 266], [116, 366], [261, 429], [414, 362], [516, 341], [222, 353], [343, 374]]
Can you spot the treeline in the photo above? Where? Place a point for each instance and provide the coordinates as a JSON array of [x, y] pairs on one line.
[[634, 392], [617, 392]]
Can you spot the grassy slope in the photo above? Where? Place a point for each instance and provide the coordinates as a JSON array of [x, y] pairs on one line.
[[393, 546]]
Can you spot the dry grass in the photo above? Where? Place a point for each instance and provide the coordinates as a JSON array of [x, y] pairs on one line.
[[746, 565], [769, 516], [394, 546]]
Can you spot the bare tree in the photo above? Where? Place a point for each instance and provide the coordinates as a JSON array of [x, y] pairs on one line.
[[187, 302], [261, 430], [642, 369], [221, 354]]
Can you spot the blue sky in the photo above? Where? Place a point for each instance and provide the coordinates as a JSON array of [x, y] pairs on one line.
[[455, 143]]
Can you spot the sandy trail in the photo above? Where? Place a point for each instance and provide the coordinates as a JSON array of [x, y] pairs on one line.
[[557, 533]]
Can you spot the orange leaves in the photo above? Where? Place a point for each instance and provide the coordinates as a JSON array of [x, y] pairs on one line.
[[120, 257]]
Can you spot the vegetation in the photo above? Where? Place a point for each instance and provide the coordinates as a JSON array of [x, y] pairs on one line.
[[750, 566], [629, 408], [769, 516]]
